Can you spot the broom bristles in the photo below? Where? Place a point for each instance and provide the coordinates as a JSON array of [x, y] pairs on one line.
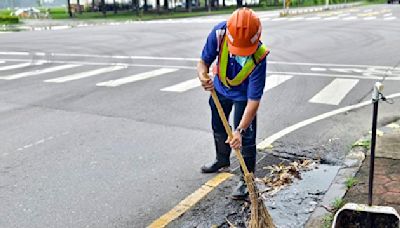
[[260, 217]]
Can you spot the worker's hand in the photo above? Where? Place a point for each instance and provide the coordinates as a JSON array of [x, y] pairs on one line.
[[236, 141], [206, 82]]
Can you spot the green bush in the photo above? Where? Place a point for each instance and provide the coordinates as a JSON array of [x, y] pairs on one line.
[[8, 19]]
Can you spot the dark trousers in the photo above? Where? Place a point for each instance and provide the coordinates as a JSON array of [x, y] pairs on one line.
[[248, 138]]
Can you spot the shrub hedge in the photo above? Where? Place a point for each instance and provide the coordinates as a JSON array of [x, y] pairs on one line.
[[8, 19]]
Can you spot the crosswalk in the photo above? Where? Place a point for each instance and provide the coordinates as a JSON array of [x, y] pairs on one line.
[[332, 94]]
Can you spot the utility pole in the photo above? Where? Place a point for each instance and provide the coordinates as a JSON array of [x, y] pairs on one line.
[[115, 7]]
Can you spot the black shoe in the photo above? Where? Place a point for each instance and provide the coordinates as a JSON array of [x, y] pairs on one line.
[[215, 167], [240, 192]]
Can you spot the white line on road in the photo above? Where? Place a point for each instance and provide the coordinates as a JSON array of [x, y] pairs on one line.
[[274, 80], [86, 74], [349, 18], [296, 18], [183, 86], [13, 53], [194, 67], [312, 18], [37, 72], [388, 15], [21, 65], [331, 18], [389, 18], [1, 62], [279, 19], [137, 77], [369, 18], [396, 78], [334, 93], [266, 143], [344, 15], [317, 69]]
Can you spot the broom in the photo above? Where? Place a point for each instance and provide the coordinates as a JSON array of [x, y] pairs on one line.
[[260, 218]]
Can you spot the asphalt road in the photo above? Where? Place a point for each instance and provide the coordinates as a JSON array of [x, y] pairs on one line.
[[79, 150]]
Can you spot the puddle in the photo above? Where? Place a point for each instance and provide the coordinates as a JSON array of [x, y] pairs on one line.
[[292, 206]]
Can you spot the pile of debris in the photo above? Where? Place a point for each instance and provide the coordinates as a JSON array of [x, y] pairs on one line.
[[282, 175]]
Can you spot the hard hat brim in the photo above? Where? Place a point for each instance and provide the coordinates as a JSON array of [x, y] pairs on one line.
[[242, 51]]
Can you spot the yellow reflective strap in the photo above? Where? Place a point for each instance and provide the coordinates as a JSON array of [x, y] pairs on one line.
[[246, 70], [223, 63], [243, 74]]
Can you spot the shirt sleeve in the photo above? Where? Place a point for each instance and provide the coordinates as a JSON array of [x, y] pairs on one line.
[[210, 48], [257, 81]]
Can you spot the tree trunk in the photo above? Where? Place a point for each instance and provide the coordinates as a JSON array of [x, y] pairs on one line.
[[69, 8], [103, 7], [189, 5], [145, 5], [239, 3], [208, 5], [223, 3], [93, 5], [158, 6], [79, 6], [115, 7], [166, 6]]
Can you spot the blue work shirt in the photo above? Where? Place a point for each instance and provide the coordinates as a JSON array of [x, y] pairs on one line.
[[250, 89]]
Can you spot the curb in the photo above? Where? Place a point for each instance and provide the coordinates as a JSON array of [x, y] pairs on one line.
[[288, 12], [351, 166]]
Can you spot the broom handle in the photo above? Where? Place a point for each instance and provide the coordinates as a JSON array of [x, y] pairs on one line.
[[228, 130]]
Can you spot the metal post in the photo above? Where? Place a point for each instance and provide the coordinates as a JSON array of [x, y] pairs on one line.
[[378, 87]]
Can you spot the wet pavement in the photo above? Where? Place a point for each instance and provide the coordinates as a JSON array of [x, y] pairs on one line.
[[292, 206], [289, 207]]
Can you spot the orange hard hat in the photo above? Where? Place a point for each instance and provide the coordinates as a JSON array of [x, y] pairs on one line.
[[243, 32]]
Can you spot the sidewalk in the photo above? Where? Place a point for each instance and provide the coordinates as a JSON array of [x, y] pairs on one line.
[[387, 173], [352, 187]]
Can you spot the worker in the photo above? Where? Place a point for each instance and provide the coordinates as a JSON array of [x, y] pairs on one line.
[[239, 81]]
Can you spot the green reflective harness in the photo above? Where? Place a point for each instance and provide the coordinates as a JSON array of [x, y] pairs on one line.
[[247, 69]]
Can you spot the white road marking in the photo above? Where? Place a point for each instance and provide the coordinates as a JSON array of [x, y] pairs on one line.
[[312, 18], [349, 18], [296, 18], [389, 18], [344, 15], [1, 62], [21, 65], [279, 19], [331, 18], [137, 77], [388, 15], [367, 10], [317, 69], [183, 86], [14, 53], [274, 80], [369, 18], [334, 93], [365, 77], [266, 143], [85, 74], [94, 63], [37, 72]]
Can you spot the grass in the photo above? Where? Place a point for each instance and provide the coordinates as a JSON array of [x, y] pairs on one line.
[[350, 182], [328, 219], [364, 143]]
